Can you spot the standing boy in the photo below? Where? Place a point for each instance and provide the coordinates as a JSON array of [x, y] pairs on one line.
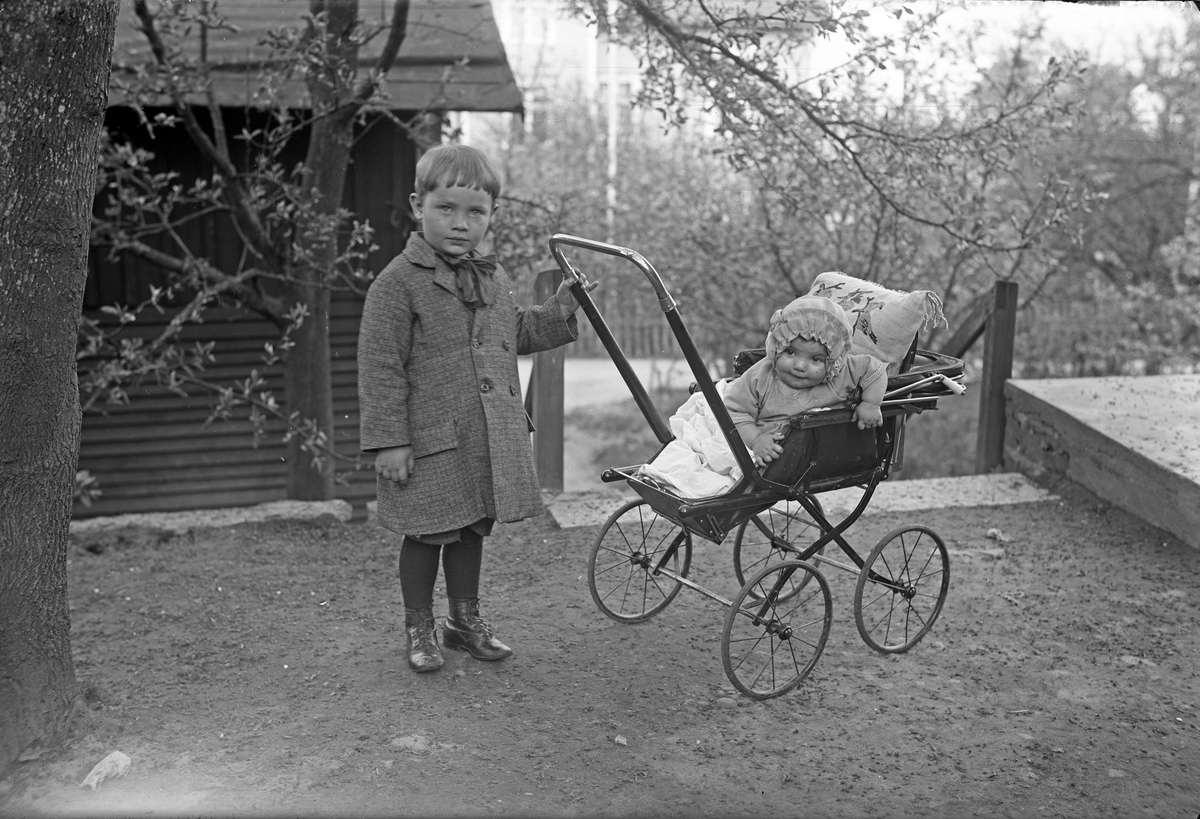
[[441, 403]]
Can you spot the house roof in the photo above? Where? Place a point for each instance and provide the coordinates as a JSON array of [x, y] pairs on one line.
[[452, 58]]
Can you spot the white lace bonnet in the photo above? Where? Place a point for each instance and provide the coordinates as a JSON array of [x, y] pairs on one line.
[[813, 318]]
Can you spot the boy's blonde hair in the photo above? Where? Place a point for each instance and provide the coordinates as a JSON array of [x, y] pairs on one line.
[[456, 166]]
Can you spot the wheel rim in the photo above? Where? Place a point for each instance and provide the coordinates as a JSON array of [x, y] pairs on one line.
[[901, 589], [621, 566], [770, 538], [770, 643]]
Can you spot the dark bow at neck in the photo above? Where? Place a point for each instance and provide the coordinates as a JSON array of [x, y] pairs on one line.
[[474, 275]]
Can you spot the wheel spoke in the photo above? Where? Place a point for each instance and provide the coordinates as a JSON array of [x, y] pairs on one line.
[[901, 589], [771, 537], [622, 566], [774, 636]]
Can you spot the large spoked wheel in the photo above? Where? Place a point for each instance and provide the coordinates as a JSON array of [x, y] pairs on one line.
[[622, 568], [772, 537], [901, 589], [770, 644]]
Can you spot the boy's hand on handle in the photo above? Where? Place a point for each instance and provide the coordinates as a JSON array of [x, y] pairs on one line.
[[566, 299], [868, 415], [395, 463]]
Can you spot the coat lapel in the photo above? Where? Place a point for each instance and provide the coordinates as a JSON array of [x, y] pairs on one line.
[[421, 254]]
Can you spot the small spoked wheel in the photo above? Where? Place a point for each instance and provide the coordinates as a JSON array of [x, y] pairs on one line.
[[623, 568], [771, 537], [771, 643], [901, 589]]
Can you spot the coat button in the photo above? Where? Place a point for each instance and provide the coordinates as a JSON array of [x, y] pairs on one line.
[[512, 390], [476, 343], [485, 385], [506, 345]]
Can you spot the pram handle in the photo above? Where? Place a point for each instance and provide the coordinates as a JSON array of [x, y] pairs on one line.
[[571, 275], [688, 347]]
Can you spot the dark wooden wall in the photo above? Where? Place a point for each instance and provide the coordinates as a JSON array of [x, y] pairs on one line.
[[156, 453]]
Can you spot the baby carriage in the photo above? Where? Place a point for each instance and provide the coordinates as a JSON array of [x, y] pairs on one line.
[[779, 620]]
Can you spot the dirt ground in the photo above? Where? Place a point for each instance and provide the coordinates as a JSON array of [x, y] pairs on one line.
[[259, 670]]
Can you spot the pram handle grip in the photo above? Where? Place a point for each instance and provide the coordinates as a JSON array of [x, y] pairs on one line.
[[665, 302]]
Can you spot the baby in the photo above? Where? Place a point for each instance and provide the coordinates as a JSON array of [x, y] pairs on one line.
[[808, 366]]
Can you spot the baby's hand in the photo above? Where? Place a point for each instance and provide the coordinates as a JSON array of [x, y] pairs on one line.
[[395, 463], [868, 415], [766, 448]]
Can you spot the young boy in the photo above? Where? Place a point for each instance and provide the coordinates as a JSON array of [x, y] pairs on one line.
[[441, 403]]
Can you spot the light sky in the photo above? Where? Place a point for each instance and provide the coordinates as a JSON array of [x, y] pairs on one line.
[[1108, 33]]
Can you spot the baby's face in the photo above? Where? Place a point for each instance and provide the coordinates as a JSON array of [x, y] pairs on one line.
[[802, 364]]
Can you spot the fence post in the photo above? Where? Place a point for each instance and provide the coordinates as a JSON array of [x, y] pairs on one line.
[[544, 398], [998, 342]]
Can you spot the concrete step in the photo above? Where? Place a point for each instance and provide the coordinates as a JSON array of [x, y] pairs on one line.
[[592, 508], [178, 523], [1135, 442]]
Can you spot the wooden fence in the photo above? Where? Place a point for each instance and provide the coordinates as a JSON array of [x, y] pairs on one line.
[[995, 318]]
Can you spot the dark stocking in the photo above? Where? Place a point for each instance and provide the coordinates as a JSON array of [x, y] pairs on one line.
[[418, 572], [461, 562]]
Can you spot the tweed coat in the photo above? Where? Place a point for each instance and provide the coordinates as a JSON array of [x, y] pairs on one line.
[[440, 377]]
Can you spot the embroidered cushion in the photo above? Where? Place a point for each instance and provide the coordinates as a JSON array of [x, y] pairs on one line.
[[884, 321]]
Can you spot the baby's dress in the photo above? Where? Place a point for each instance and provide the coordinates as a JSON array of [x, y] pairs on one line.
[[760, 398]]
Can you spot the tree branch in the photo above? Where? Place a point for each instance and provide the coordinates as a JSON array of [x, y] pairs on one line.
[[260, 241], [217, 281], [841, 132]]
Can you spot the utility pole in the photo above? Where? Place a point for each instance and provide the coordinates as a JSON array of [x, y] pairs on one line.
[[1189, 270], [610, 212]]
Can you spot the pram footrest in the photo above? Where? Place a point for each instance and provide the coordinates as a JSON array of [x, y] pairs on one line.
[[711, 518]]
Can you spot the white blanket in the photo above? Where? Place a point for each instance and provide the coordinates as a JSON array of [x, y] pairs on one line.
[[698, 463]]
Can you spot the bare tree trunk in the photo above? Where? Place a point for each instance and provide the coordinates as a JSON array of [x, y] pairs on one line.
[[310, 392], [309, 371], [53, 92]]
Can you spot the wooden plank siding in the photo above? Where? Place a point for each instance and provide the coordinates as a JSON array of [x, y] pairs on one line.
[[156, 453]]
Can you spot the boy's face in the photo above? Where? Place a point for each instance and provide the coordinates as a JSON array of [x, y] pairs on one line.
[[454, 219], [802, 364]]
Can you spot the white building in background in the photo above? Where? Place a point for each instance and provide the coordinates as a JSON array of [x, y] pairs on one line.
[[555, 56]]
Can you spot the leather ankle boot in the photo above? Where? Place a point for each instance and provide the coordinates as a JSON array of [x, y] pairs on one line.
[[465, 629], [424, 654]]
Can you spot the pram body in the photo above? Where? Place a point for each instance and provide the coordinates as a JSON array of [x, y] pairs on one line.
[[779, 621]]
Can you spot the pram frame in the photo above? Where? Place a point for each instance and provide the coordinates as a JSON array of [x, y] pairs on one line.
[[714, 517]]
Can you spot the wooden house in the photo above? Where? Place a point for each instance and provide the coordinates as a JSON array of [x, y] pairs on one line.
[[155, 453]]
